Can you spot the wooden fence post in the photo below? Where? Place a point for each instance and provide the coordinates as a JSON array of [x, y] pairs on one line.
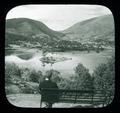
[[41, 102]]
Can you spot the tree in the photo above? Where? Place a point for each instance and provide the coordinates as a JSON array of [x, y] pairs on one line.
[[12, 73], [99, 76], [104, 78], [35, 76], [12, 78], [25, 74], [55, 75], [83, 79], [65, 83], [104, 75]]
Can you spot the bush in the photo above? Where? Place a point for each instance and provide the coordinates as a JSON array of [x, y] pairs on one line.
[[55, 75], [35, 76], [12, 89], [64, 83], [25, 74], [12, 73], [28, 90]]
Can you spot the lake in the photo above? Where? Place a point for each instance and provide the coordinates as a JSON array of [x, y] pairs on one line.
[[30, 58]]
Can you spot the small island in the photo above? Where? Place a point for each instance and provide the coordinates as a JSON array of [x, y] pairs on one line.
[[53, 60]]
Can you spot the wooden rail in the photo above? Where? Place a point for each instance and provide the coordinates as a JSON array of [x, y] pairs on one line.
[[93, 97]]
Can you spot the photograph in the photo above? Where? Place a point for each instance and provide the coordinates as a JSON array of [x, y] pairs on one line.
[[60, 56]]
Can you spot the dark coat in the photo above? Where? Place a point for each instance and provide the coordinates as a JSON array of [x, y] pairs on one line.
[[49, 95]]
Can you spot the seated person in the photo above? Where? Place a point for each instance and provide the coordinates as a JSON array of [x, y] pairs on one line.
[[48, 96]]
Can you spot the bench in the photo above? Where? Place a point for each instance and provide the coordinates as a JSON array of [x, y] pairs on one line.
[[92, 97]]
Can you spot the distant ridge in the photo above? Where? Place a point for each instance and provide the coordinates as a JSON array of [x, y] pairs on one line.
[[98, 27], [99, 30], [29, 27]]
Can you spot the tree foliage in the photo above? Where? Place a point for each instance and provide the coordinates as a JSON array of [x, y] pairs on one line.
[[55, 75], [64, 83], [104, 75], [12, 73], [83, 78], [35, 76], [104, 78]]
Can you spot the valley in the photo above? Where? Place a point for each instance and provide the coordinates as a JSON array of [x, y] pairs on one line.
[[29, 42]]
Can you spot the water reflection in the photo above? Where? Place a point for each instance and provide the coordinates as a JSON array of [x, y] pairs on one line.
[[66, 67]]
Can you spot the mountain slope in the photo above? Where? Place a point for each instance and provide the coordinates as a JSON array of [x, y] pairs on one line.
[[29, 33], [96, 28], [29, 27]]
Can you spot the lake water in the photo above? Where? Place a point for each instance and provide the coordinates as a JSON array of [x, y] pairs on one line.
[[89, 60]]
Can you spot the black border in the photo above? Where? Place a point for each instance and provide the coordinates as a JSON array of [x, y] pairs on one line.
[[6, 107]]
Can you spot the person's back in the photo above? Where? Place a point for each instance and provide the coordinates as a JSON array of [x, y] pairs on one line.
[[48, 84], [49, 91]]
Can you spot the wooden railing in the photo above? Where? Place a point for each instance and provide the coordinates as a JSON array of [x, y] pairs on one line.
[[93, 97]]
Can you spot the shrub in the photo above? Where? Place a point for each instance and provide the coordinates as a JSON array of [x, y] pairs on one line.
[[12, 73], [55, 75], [12, 89], [35, 76], [64, 83]]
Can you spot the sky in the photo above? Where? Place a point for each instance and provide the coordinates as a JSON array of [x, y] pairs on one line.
[[58, 17]]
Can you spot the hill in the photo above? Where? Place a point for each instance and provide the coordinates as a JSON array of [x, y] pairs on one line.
[[31, 33], [29, 27], [24, 31], [96, 29]]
